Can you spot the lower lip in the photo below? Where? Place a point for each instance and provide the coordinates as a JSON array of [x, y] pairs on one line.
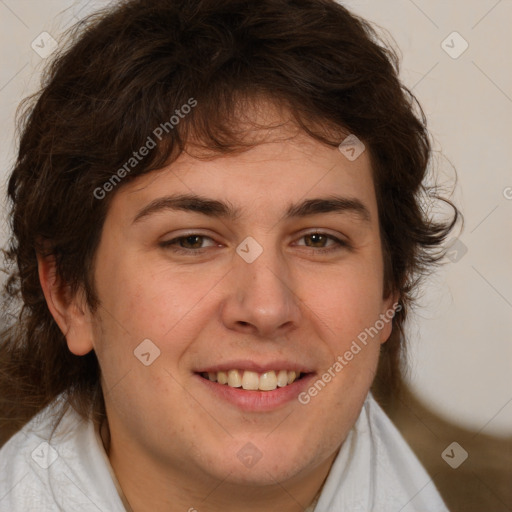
[[258, 401]]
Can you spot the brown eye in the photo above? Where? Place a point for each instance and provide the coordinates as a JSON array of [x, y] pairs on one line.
[[191, 240], [190, 244], [317, 238], [319, 241]]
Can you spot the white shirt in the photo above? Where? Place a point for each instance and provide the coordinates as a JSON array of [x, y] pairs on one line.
[[374, 471]]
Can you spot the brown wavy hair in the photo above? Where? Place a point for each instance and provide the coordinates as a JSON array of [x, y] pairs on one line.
[[126, 70]]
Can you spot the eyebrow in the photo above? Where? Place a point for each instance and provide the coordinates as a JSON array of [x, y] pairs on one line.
[[220, 209]]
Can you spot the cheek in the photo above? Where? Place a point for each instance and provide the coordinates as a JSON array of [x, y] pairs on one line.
[[349, 301], [142, 301], [142, 298]]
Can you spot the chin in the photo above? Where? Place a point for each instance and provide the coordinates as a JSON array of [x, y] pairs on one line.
[[267, 473], [260, 463]]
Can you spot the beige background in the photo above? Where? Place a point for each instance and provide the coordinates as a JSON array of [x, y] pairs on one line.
[[460, 355]]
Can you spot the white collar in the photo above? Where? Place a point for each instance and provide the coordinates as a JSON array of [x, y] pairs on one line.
[[374, 470]]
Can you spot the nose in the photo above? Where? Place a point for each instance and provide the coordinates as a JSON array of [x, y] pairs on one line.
[[261, 297]]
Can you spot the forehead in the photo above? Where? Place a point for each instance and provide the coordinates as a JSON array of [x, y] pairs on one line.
[[269, 178], [282, 166]]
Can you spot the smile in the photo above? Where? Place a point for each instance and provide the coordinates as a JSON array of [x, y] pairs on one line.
[[254, 381]]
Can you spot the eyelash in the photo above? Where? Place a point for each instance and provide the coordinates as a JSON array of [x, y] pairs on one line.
[[171, 244]]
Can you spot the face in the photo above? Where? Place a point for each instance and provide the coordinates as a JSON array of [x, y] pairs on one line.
[[274, 266]]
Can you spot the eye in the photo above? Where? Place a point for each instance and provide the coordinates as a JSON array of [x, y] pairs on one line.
[[319, 239], [192, 244], [188, 244]]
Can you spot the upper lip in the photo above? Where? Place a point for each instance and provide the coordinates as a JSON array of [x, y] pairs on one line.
[[258, 367]]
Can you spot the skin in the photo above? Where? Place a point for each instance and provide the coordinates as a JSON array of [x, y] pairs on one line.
[[174, 444]]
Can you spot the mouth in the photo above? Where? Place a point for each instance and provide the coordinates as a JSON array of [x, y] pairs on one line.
[[249, 380], [255, 386]]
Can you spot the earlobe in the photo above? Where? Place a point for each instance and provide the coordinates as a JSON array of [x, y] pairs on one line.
[[69, 311], [391, 306]]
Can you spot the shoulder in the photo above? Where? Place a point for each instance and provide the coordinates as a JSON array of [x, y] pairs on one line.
[[56, 465]]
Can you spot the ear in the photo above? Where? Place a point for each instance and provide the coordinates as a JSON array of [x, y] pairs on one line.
[[389, 307], [71, 313]]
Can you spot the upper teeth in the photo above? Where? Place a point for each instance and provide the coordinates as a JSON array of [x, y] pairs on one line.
[[249, 380]]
